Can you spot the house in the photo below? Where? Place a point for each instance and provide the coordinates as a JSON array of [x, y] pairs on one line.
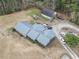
[[37, 32], [48, 14]]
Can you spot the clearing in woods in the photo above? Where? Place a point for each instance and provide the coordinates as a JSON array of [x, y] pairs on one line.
[[13, 46]]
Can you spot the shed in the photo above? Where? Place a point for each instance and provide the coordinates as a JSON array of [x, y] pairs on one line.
[[46, 37], [48, 14], [23, 28]]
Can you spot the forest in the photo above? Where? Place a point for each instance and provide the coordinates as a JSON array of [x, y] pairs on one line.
[[68, 7]]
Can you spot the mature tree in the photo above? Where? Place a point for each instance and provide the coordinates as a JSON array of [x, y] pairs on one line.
[[67, 5], [50, 4], [70, 8]]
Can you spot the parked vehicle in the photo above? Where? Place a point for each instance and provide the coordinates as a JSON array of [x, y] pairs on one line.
[[62, 34]]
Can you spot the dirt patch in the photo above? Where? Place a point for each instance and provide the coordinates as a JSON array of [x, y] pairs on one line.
[[76, 49], [13, 46]]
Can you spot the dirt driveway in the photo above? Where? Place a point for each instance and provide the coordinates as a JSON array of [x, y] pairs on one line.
[[13, 46]]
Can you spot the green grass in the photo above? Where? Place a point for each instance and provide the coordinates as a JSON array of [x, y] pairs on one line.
[[9, 30], [33, 11], [71, 40]]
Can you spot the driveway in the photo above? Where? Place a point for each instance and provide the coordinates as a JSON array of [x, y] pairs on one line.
[[57, 28]]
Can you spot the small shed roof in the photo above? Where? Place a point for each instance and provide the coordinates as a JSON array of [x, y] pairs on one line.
[[23, 28], [47, 12]]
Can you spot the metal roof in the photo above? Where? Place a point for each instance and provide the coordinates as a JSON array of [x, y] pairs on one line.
[[37, 32], [23, 28], [49, 33], [47, 12], [38, 27], [33, 34], [45, 38], [27, 24]]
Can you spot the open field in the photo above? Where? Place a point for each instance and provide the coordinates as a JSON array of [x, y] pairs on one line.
[[13, 46]]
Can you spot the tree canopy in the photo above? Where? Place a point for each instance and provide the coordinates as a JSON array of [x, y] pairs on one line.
[[67, 5]]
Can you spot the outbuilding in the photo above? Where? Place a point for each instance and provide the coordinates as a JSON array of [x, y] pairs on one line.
[[48, 14]]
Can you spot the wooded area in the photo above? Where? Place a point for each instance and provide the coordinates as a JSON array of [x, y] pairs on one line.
[[68, 7], [9, 6]]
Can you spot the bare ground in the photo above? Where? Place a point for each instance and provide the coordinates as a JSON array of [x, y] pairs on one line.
[[13, 46]]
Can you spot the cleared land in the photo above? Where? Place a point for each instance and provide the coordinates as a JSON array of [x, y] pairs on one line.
[[13, 46]]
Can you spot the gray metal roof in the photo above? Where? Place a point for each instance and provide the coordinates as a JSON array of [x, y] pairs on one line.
[[38, 27], [33, 34], [23, 28], [49, 33], [37, 32], [47, 12], [45, 38], [42, 39]]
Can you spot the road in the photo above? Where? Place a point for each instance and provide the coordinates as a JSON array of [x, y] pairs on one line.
[[56, 29]]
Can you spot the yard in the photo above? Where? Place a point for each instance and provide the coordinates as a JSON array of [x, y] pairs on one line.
[[13, 46]]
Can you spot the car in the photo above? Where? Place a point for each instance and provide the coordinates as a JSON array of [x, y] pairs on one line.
[[73, 33], [60, 17], [62, 40], [62, 34]]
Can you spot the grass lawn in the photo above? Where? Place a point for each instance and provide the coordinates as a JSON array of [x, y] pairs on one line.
[[71, 40], [37, 12], [33, 11]]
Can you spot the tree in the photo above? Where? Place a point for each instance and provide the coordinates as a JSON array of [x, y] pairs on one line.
[[70, 8], [67, 5]]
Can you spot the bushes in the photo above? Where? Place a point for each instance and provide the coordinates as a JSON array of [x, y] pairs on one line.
[[71, 40]]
